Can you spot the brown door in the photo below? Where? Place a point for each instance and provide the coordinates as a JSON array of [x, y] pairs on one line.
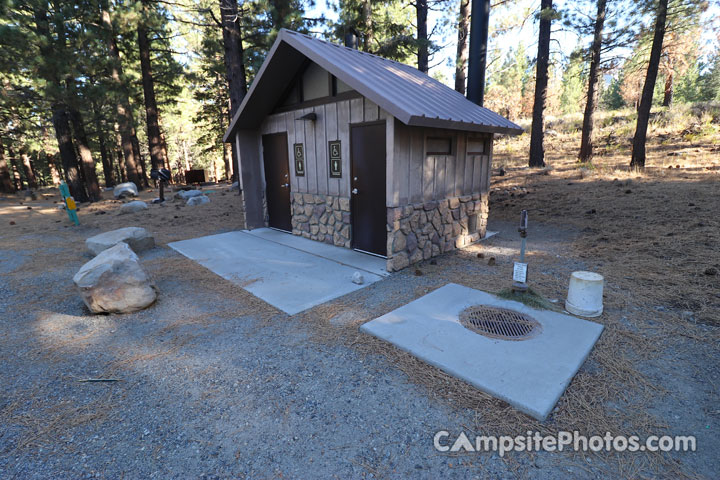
[[277, 180], [367, 202]]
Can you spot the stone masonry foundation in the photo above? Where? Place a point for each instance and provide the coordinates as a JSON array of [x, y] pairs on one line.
[[424, 230], [325, 218]]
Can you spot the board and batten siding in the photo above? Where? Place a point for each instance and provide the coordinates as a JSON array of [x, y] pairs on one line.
[[333, 123], [420, 178]]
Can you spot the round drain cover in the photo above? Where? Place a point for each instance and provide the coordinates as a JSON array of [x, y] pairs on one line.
[[499, 323]]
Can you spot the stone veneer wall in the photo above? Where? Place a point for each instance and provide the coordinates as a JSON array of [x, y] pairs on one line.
[[424, 230], [325, 218]]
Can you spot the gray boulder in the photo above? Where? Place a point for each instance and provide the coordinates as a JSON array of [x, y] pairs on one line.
[[127, 189], [115, 282], [132, 207], [199, 200], [187, 194], [136, 238]]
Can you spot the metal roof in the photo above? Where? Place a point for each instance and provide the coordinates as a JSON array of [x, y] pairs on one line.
[[409, 95]]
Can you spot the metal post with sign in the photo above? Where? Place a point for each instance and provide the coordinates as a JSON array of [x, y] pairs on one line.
[[161, 176], [70, 205], [520, 268]]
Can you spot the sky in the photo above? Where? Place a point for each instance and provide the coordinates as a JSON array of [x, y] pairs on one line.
[[442, 64]]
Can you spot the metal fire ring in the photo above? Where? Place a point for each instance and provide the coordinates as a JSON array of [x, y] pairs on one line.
[[499, 323]]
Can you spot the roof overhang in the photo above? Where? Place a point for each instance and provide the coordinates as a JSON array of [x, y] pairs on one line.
[[287, 56]]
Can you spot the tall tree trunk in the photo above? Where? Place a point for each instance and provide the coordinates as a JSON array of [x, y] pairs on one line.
[[122, 106], [421, 7], [28, 170], [537, 151], [461, 58], [163, 144], [368, 20], [38, 177], [139, 159], [48, 50], [17, 179], [586, 146], [668, 97], [121, 157], [67, 154], [637, 161], [87, 162], [55, 172], [227, 158], [234, 62], [157, 156], [6, 183], [106, 159]]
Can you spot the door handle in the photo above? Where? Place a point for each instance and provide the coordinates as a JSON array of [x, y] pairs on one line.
[[354, 191], [285, 185]]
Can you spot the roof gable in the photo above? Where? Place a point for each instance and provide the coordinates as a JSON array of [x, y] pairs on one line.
[[409, 95]]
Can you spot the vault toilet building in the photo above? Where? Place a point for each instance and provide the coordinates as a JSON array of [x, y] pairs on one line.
[[351, 149]]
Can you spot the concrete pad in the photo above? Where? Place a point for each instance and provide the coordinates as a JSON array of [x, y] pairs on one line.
[[287, 278], [530, 374], [345, 256]]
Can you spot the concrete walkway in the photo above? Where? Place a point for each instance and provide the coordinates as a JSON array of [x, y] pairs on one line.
[[289, 272]]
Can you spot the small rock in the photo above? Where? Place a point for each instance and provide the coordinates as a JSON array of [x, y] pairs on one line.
[[591, 212], [127, 189], [137, 238], [357, 278], [187, 194], [491, 261], [628, 191], [480, 255], [418, 272], [29, 208], [198, 200], [12, 223], [710, 271], [114, 282], [132, 207]]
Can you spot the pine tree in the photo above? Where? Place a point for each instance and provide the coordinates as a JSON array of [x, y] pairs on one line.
[[638, 153], [122, 103], [537, 152], [586, 146], [157, 152], [463, 49]]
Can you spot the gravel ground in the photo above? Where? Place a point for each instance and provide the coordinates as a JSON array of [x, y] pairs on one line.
[[213, 383]]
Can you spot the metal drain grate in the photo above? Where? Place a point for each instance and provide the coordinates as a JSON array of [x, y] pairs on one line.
[[499, 323]]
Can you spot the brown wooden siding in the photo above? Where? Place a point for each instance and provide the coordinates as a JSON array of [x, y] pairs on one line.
[[417, 177], [333, 123]]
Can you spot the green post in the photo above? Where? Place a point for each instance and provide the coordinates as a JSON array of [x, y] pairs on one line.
[[70, 205]]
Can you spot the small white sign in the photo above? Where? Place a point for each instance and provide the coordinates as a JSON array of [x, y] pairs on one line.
[[520, 272]]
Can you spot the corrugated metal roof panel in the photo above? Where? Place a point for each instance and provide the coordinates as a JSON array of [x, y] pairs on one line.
[[409, 95]]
